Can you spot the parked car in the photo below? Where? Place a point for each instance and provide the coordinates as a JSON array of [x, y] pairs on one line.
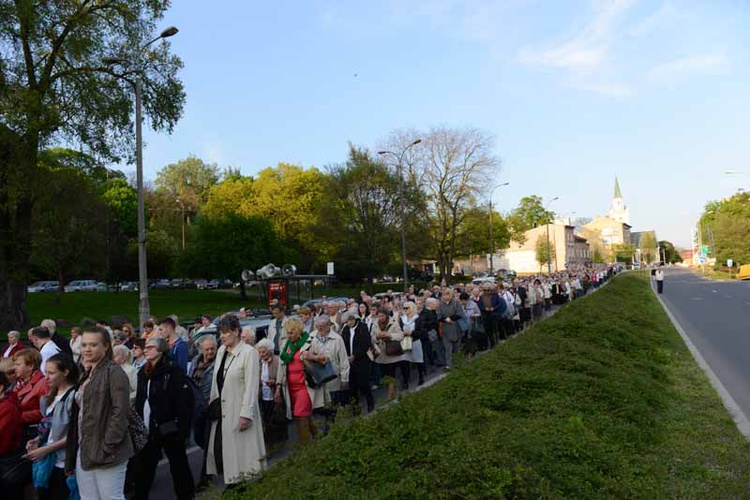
[[129, 286], [43, 286], [159, 284], [83, 286], [177, 283], [260, 323], [200, 284], [212, 285]]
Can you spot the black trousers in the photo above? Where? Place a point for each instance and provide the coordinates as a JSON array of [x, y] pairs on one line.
[[359, 383], [148, 459], [660, 286], [57, 489], [490, 329]]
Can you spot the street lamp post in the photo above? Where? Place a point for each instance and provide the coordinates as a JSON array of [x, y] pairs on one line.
[[402, 208], [549, 256], [492, 241], [143, 304]]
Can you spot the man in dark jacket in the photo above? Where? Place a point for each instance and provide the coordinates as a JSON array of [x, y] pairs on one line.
[[492, 308], [358, 343], [164, 401]]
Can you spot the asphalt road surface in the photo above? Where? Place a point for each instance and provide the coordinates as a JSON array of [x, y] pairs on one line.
[[716, 317]]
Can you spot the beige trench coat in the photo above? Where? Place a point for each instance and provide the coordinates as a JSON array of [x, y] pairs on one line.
[[244, 452]]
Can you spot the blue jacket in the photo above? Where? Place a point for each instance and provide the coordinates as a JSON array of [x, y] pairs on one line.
[[498, 306], [179, 353]]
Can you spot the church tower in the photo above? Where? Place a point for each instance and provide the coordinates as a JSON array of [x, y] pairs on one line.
[[619, 211]]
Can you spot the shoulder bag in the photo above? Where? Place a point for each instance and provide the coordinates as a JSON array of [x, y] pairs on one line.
[[14, 469]]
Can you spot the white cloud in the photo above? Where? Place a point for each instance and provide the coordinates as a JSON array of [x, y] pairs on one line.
[[706, 63], [587, 49], [608, 89], [654, 21]]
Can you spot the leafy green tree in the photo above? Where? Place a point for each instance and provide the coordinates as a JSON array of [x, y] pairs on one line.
[[362, 216], [56, 88], [224, 246], [624, 252], [529, 213], [648, 247], [69, 224], [669, 252], [727, 223], [474, 234], [597, 257], [544, 251]]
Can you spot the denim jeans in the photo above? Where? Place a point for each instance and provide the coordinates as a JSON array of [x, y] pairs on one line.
[[101, 484]]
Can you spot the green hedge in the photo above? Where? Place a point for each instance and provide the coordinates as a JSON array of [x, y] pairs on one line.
[[601, 400]]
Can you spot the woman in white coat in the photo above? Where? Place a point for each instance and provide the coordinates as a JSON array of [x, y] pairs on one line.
[[236, 445]]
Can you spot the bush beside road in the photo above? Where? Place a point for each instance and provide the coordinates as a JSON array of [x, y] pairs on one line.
[[601, 400]]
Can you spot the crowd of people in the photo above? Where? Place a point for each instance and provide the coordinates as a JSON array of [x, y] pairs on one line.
[[92, 414]]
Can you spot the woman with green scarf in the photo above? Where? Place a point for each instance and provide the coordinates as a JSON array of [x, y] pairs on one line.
[[293, 385]]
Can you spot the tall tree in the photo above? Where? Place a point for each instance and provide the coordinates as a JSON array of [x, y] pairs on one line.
[[725, 227], [363, 216], [453, 167], [623, 252], [544, 250], [529, 213], [474, 233], [648, 246], [55, 87], [224, 246], [185, 186], [69, 228], [669, 252]]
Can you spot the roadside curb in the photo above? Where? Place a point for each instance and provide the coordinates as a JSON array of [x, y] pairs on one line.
[[739, 417]]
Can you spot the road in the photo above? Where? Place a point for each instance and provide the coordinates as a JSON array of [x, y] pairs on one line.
[[715, 315]]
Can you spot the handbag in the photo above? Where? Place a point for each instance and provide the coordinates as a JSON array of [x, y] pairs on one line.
[[41, 470], [393, 348], [406, 343], [463, 324], [14, 469], [213, 412], [318, 374], [137, 430]]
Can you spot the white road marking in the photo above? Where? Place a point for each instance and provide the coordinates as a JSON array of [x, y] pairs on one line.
[[727, 296], [697, 298], [715, 291]]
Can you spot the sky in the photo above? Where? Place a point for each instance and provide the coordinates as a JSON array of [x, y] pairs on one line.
[[575, 92]]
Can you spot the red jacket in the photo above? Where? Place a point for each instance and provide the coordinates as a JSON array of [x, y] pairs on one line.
[[11, 428], [29, 396], [15, 349]]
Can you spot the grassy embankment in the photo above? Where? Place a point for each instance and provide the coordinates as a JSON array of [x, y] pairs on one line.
[[601, 401]]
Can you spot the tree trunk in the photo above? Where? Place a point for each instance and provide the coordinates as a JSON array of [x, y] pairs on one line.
[[14, 266], [243, 290], [18, 163]]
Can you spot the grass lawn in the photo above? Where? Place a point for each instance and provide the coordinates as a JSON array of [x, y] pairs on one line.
[[717, 275], [603, 400]]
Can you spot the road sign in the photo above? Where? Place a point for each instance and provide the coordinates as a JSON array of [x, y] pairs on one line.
[[730, 263], [702, 259], [704, 250]]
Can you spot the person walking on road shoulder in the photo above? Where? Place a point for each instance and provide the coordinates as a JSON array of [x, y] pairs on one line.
[[659, 275]]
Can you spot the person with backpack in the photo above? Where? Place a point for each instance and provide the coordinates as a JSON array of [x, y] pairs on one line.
[[165, 402]]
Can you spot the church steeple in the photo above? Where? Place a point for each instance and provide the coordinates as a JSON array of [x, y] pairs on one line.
[[619, 211]]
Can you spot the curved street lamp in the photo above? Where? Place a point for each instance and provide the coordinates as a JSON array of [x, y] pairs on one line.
[[492, 240], [549, 256], [399, 166], [143, 308]]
